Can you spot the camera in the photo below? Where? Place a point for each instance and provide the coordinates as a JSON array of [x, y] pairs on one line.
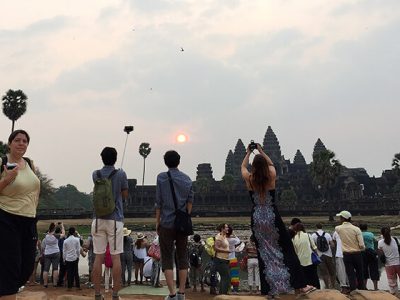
[[128, 129], [252, 146], [11, 166]]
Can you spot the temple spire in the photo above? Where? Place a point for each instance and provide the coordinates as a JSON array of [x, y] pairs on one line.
[[299, 159], [318, 147], [271, 145]]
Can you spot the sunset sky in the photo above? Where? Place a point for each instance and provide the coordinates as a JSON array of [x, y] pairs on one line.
[[308, 68]]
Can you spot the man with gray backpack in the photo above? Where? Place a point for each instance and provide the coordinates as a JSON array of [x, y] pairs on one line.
[[326, 268], [110, 188]]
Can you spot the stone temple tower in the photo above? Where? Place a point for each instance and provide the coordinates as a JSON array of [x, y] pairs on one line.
[[234, 160], [273, 149], [230, 164], [318, 147]]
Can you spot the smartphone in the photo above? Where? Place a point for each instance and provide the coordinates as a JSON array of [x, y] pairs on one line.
[[11, 166]]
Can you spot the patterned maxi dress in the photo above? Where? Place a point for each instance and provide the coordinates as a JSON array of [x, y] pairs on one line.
[[280, 269]]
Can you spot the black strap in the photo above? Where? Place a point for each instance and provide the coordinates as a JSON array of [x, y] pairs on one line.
[[4, 161], [98, 174], [172, 190]]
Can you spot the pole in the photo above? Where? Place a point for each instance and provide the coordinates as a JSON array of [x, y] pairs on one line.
[[123, 155]]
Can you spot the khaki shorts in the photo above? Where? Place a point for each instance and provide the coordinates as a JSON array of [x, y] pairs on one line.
[[105, 234]]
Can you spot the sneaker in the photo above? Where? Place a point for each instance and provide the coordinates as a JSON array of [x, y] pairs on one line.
[[171, 298], [180, 296]]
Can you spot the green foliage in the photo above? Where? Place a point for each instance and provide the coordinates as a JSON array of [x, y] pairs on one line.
[[67, 197], [202, 186], [288, 198], [14, 105], [228, 183], [396, 188], [144, 150], [396, 163], [3, 148], [325, 171]]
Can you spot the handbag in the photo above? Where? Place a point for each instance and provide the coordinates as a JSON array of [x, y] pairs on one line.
[[154, 252], [183, 221], [243, 263], [315, 259]]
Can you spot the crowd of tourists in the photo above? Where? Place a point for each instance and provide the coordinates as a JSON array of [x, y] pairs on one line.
[[279, 259]]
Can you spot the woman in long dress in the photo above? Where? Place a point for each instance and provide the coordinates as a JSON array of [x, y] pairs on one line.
[[280, 269]]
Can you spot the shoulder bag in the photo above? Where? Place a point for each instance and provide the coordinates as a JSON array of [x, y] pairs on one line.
[[183, 221]]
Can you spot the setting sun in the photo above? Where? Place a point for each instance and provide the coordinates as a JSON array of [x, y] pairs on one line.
[[181, 138]]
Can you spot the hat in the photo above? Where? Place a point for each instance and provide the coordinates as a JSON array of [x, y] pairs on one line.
[[344, 214], [126, 231], [140, 236]]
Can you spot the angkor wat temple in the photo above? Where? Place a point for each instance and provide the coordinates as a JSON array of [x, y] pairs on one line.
[[356, 190]]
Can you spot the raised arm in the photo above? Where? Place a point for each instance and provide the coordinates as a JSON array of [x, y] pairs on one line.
[[243, 168]]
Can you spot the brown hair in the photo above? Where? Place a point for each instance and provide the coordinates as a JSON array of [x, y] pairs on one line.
[[386, 235], [260, 176], [15, 133]]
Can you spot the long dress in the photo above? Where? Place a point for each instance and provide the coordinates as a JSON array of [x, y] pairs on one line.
[[280, 269]]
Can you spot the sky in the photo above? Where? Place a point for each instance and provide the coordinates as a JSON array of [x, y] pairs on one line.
[[308, 68]]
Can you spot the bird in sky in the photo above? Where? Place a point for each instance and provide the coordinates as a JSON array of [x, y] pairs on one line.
[[182, 49]]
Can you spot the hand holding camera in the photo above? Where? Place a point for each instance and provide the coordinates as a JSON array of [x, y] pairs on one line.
[[11, 171], [253, 146]]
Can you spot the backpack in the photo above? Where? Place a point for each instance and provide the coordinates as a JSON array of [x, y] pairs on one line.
[[195, 260], [209, 246], [4, 161], [322, 243], [103, 198]]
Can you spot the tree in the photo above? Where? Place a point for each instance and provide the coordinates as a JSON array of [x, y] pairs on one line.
[[202, 186], [288, 198], [14, 105], [144, 151], [47, 189], [3, 149], [228, 185], [396, 163], [325, 170]]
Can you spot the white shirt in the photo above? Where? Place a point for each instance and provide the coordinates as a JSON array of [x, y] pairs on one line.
[[391, 252], [71, 248], [328, 239], [339, 250], [233, 241], [140, 253]]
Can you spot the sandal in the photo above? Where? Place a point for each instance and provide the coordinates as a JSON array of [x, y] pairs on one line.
[[306, 290]]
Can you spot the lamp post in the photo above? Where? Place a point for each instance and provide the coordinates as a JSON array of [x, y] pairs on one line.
[[128, 130]]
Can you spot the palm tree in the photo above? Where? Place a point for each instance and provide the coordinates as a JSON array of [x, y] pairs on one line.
[[396, 163], [228, 185], [325, 170], [202, 186], [144, 151], [14, 105]]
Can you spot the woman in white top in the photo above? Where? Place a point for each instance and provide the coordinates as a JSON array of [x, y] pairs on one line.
[[140, 253], [51, 255], [233, 262], [389, 247]]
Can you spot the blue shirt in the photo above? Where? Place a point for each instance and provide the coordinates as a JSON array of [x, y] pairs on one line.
[[119, 183], [369, 239], [164, 200]]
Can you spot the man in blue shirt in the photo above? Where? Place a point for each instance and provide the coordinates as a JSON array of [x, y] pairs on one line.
[[165, 217], [109, 228]]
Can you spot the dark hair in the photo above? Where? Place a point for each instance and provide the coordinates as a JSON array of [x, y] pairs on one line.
[[295, 221], [15, 133], [52, 226], [299, 227], [386, 235], [71, 231], [109, 156], [363, 227], [252, 238], [196, 238], [58, 230], [292, 233], [220, 227], [230, 230], [138, 243], [318, 225], [260, 177], [172, 159]]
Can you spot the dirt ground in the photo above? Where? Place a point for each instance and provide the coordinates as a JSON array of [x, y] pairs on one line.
[[54, 292]]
